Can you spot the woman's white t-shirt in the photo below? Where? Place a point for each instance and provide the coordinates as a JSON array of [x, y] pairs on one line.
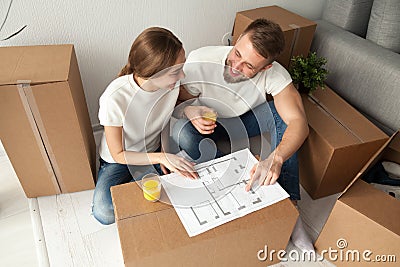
[[142, 114]]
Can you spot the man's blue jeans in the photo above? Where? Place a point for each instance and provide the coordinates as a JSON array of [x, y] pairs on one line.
[[111, 174], [263, 118]]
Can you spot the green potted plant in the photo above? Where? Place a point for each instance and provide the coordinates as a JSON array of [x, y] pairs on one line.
[[308, 73]]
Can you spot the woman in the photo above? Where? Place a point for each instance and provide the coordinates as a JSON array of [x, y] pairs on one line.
[[134, 109]]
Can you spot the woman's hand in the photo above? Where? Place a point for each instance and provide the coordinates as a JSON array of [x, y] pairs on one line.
[[195, 115], [179, 165]]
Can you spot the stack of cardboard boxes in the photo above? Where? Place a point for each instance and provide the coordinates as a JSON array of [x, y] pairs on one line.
[[364, 223], [340, 142], [45, 125]]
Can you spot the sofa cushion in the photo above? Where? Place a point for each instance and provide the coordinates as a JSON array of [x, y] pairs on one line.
[[351, 15], [384, 24], [363, 73]]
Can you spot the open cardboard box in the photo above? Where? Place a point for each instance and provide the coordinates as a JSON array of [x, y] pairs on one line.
[[298, 31], [44, 121], [151, 234], [340, 143], [365, 217]]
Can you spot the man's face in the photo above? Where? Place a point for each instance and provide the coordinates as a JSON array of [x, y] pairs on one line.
[[243, 62]]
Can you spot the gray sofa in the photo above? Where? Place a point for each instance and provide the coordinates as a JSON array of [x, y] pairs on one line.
[[361, 40]]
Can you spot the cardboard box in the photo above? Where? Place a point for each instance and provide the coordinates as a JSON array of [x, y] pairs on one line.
[[45, 125], [298, 31], [340, 142], [365, 217], [151, 234]]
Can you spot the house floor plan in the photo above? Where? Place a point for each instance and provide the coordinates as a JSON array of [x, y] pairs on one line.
[[219, 195]]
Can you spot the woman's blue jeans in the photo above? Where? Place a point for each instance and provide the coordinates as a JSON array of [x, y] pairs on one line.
[[238, 130]]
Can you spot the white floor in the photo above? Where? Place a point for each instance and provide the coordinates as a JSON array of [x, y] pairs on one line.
[[17, 245], [71, 237]]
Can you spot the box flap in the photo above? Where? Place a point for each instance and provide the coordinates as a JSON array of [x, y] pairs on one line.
[[38, 64], [325, 125], [347, 116], [372, 161], [278, 14], [128, 201], [374, 204], [351, 231]]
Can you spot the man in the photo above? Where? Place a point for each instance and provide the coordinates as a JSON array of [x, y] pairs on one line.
[[233, 82]]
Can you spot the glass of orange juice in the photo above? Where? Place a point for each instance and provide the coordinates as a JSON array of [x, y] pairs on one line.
[[210, 116], [151, 186]]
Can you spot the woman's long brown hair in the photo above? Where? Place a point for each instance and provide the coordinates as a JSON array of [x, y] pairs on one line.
[[154, 50]]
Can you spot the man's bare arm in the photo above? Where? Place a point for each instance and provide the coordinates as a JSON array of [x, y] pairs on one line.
[[290, 107]]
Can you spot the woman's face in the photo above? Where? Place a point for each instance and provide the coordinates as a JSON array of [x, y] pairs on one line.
[[168, 77]]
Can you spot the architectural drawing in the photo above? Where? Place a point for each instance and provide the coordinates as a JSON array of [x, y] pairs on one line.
[[219, 195]]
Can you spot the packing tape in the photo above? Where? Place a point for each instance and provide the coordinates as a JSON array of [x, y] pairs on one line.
[[325, 109], [295, 38], [39, 131]]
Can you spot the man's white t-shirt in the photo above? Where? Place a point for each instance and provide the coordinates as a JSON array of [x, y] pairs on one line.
[[204, 69], [142, 114]]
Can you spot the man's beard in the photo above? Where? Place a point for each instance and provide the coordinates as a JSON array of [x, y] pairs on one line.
[[230, 79]]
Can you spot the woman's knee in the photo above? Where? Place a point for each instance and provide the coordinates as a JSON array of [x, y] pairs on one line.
[[103, 213], [102, 207]]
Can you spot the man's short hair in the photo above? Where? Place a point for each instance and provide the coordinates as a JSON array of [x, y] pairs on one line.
[[266, 37]]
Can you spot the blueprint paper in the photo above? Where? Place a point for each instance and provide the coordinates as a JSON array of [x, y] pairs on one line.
[[219, 195]]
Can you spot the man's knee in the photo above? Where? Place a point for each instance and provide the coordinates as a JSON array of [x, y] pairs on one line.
[[183, 130]]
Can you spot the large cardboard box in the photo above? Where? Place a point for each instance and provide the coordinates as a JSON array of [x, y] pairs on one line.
[[44, 121], [151, 234], [365, 219], [340, 142], [298, 30]]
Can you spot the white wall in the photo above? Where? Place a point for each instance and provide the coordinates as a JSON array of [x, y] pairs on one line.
[[103, 31]]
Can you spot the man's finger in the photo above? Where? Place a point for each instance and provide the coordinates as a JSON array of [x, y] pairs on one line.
[[206, 127], [206, 122], [200, 129], [268, 178], [249, 184], [253, 178], [275, 177]]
